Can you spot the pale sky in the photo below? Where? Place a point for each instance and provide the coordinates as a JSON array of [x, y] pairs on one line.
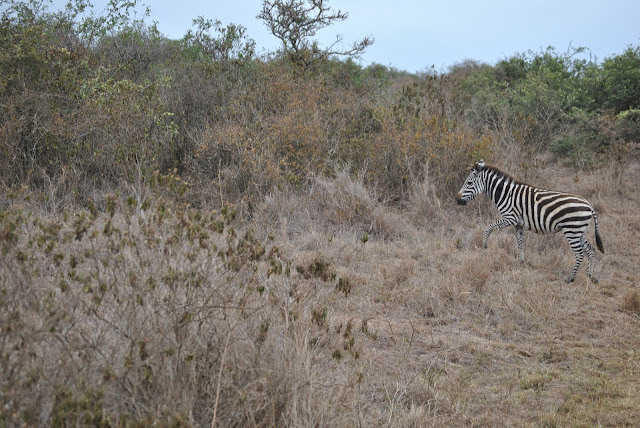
[[415, 35]]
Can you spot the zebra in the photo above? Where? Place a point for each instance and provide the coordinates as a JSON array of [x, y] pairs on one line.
[[527, 207]]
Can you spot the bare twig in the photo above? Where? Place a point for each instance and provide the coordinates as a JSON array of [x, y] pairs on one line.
[[224, 354]]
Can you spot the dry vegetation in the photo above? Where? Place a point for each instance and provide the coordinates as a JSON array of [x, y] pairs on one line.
[[174, 315], [191, 235]]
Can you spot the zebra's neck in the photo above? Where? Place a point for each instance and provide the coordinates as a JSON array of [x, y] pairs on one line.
[[498, 185]]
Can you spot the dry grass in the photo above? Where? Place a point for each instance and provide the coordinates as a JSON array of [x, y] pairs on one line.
[[363, 316]]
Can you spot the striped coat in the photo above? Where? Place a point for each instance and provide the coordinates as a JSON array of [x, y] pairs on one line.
[[527, 207]]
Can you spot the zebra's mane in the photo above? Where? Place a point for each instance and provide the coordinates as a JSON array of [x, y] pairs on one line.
[[506, 175]]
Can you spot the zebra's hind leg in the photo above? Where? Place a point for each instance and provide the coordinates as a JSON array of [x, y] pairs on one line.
[[576, 243], [579, 258], [588, 248], [520, 241]]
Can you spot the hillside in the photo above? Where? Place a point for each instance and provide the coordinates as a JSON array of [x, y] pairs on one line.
[[194, 235]]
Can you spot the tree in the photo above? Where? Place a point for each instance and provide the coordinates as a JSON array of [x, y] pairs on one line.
[[296, 22], [622, 80], [231, 43]]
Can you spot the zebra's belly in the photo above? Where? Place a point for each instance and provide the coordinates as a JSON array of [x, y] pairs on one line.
[[537, 228]]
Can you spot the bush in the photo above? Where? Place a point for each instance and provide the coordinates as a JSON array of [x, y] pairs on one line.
[[621, 80], [94, 103], [628, 125]]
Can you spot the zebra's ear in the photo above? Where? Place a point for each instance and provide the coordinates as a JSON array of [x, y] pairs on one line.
[[479, 166]]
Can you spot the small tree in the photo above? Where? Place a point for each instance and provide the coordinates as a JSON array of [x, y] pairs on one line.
[[231, 43], [296, 22]]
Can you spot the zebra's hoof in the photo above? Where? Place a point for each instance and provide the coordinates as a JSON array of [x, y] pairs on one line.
[[569, 280], [594, 279]]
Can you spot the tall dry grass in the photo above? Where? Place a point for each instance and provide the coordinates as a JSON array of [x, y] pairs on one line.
[[327, 308]]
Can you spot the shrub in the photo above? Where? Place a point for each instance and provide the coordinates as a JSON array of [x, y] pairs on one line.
[[621, 80], [170, 316], [628, 125]]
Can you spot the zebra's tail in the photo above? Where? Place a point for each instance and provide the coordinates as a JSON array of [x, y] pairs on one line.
[[598, 239]]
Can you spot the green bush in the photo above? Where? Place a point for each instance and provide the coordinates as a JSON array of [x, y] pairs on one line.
[[628, 125], [621, 80]]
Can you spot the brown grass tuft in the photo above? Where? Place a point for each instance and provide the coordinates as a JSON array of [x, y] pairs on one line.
[[631, 302]]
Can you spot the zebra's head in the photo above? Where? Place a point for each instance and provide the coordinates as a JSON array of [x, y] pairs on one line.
[[473, 185]]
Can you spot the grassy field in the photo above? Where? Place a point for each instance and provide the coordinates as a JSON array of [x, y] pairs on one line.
[[326, 308], [195, 234]]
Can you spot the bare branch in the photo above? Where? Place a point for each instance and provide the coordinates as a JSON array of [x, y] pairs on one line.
[[296, 22]]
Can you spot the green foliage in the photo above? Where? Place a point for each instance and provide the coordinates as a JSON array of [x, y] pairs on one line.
[[68, 115], [621, 80], [551, 100], [231, 43], [344, 286], [318, 268], [511, 70], [87, 409], [628, 125], [582, 140]]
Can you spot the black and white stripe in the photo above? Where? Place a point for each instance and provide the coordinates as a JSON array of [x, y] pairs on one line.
[[543, 211]]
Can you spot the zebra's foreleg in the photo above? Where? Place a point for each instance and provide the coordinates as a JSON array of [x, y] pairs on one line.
[[503, 222]]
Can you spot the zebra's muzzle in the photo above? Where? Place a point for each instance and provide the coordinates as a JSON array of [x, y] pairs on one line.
[[461, 201]]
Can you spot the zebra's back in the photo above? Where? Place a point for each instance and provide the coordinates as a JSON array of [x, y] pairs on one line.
[[550, 211]]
